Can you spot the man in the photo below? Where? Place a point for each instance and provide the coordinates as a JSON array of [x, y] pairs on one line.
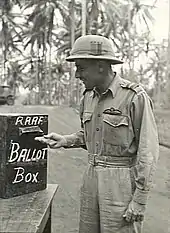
[[120, 135]]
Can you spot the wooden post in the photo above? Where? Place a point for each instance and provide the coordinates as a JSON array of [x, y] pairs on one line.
[[47, 228]]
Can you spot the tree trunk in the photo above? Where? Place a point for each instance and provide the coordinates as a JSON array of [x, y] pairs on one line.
[[131, 44], [45, 67], [37, 76], [83, 17], [83, 34], [72, 21], [4, 48], [167, 93], [49, 70], [32, 73]]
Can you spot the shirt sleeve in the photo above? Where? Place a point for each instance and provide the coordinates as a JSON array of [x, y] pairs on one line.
[[76, 140], [148, 145]]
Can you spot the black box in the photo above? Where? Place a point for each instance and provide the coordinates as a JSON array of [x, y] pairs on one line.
[[23, 161]]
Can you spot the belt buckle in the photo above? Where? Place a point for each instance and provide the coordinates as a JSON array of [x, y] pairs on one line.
[[105, 160], [94, 160]]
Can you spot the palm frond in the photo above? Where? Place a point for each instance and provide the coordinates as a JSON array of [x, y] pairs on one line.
[[148, 14]]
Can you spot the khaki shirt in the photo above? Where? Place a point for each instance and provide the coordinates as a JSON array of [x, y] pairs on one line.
[[120, 122]]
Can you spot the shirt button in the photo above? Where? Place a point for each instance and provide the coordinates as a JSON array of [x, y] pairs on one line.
[[97, 129], [99, 115]]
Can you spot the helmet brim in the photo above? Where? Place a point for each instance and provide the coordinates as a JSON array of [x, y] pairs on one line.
[[112, 60]]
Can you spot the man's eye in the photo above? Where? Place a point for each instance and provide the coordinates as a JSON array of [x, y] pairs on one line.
[[80, 69]]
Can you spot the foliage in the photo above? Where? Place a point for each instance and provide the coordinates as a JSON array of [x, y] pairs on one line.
[[36, 38]]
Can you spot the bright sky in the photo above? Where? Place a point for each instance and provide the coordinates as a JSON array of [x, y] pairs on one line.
[[161, 15]]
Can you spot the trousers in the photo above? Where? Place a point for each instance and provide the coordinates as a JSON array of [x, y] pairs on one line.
[[104, 197]]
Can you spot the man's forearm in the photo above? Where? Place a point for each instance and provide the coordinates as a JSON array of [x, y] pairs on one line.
[[148, 148], [75, 140]]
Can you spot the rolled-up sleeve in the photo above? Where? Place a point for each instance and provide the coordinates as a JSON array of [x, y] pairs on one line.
[[148, 146], [76, 140]]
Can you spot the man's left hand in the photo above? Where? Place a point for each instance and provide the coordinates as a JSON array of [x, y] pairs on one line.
[[134, 212]]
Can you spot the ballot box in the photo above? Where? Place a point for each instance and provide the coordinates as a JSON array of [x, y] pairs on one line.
[[23, 161]]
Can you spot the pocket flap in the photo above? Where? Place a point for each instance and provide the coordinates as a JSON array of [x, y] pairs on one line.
[[116, 120], [87, 116]]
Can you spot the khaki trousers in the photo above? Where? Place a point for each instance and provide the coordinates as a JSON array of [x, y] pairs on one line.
[[104, 196]]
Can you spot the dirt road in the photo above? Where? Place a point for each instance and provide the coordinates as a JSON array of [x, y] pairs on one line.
[[65, 167]]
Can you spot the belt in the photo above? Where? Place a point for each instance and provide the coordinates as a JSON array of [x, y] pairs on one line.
[[110, 161]]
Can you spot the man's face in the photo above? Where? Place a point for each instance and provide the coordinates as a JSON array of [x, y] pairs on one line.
[[88, 72]]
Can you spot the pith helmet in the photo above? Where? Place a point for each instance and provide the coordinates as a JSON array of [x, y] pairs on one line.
[[93, 47]]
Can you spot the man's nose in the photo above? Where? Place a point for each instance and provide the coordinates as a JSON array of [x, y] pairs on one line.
[[77, 75]]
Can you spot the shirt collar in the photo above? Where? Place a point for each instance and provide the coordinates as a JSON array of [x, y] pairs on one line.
[[112, 87]]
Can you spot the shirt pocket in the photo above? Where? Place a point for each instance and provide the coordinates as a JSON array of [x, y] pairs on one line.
[[115, 129], [87, 123]]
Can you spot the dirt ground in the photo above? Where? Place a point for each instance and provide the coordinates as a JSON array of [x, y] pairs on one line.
[[65, 167]]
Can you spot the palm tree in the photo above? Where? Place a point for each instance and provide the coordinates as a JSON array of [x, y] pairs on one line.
[[156, 70], [45, 33], [40, 35], [10, 35]]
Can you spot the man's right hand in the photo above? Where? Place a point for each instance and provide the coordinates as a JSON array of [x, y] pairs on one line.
[[53, 140]]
